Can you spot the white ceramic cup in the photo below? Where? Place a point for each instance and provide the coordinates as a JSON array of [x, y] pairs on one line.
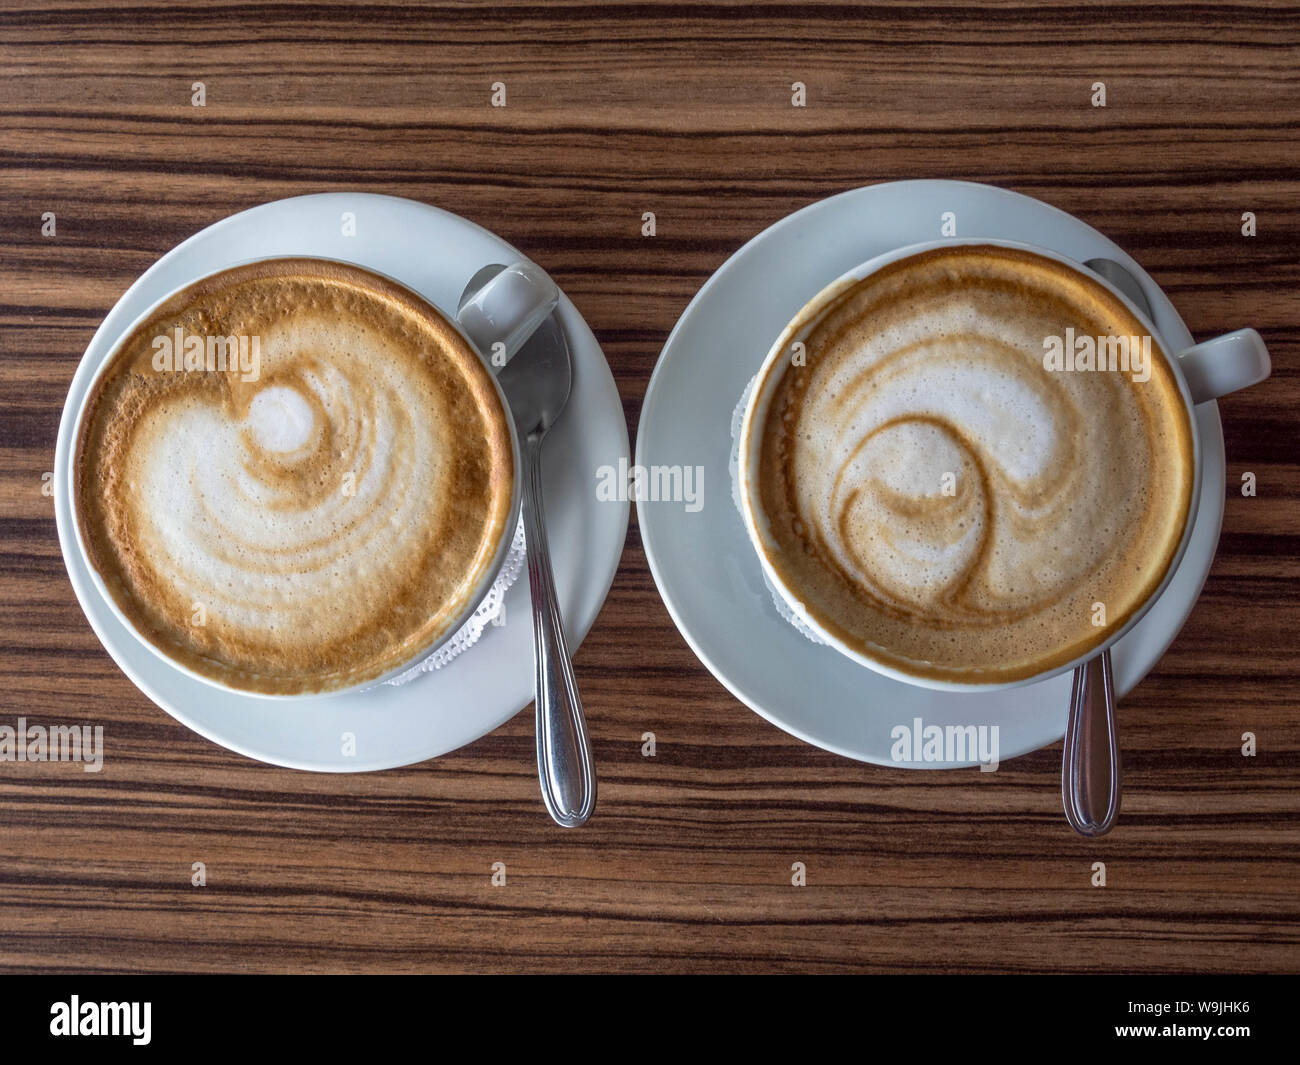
[[1204, 372], [496, 321]]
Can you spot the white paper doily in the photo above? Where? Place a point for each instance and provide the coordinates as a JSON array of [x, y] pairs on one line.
[[733, 467]]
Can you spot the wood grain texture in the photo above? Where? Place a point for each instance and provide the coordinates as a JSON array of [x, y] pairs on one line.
[[684, 110]]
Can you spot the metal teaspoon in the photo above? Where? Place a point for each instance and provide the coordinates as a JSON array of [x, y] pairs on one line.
[[537, 382]]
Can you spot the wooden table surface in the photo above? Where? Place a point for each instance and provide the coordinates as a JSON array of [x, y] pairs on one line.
[[684, 110]]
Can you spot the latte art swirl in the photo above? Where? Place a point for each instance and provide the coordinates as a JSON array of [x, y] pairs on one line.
[[938, 499], [314, 527]]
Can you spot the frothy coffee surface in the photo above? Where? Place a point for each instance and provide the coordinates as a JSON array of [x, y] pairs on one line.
[[943, 502], [316, 526]]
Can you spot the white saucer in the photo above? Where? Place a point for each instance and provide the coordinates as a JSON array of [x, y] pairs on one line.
[[705, 567], [435, 253]]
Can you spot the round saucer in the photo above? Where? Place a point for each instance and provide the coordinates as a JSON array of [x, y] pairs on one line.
[[435, 253], [701, 559]]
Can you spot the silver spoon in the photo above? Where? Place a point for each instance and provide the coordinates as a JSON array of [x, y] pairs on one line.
[[1090, 768], [537, 382], [1090, 778]]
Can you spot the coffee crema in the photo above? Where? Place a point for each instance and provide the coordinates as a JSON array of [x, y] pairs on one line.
[[316, 524], [943, 503]]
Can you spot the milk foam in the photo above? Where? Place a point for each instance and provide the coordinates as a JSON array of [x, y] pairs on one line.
[[328, 518], [281, 419], [270, 533], [939, 497]]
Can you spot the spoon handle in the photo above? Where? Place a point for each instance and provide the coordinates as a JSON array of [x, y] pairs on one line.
[[564, 762], [1090, 785]]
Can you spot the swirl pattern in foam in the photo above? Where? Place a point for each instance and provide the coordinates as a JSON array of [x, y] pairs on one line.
[[311, 525], [942, 502]]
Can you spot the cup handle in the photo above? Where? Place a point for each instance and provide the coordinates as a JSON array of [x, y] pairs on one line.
[[507, 310], [1224, 364]]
